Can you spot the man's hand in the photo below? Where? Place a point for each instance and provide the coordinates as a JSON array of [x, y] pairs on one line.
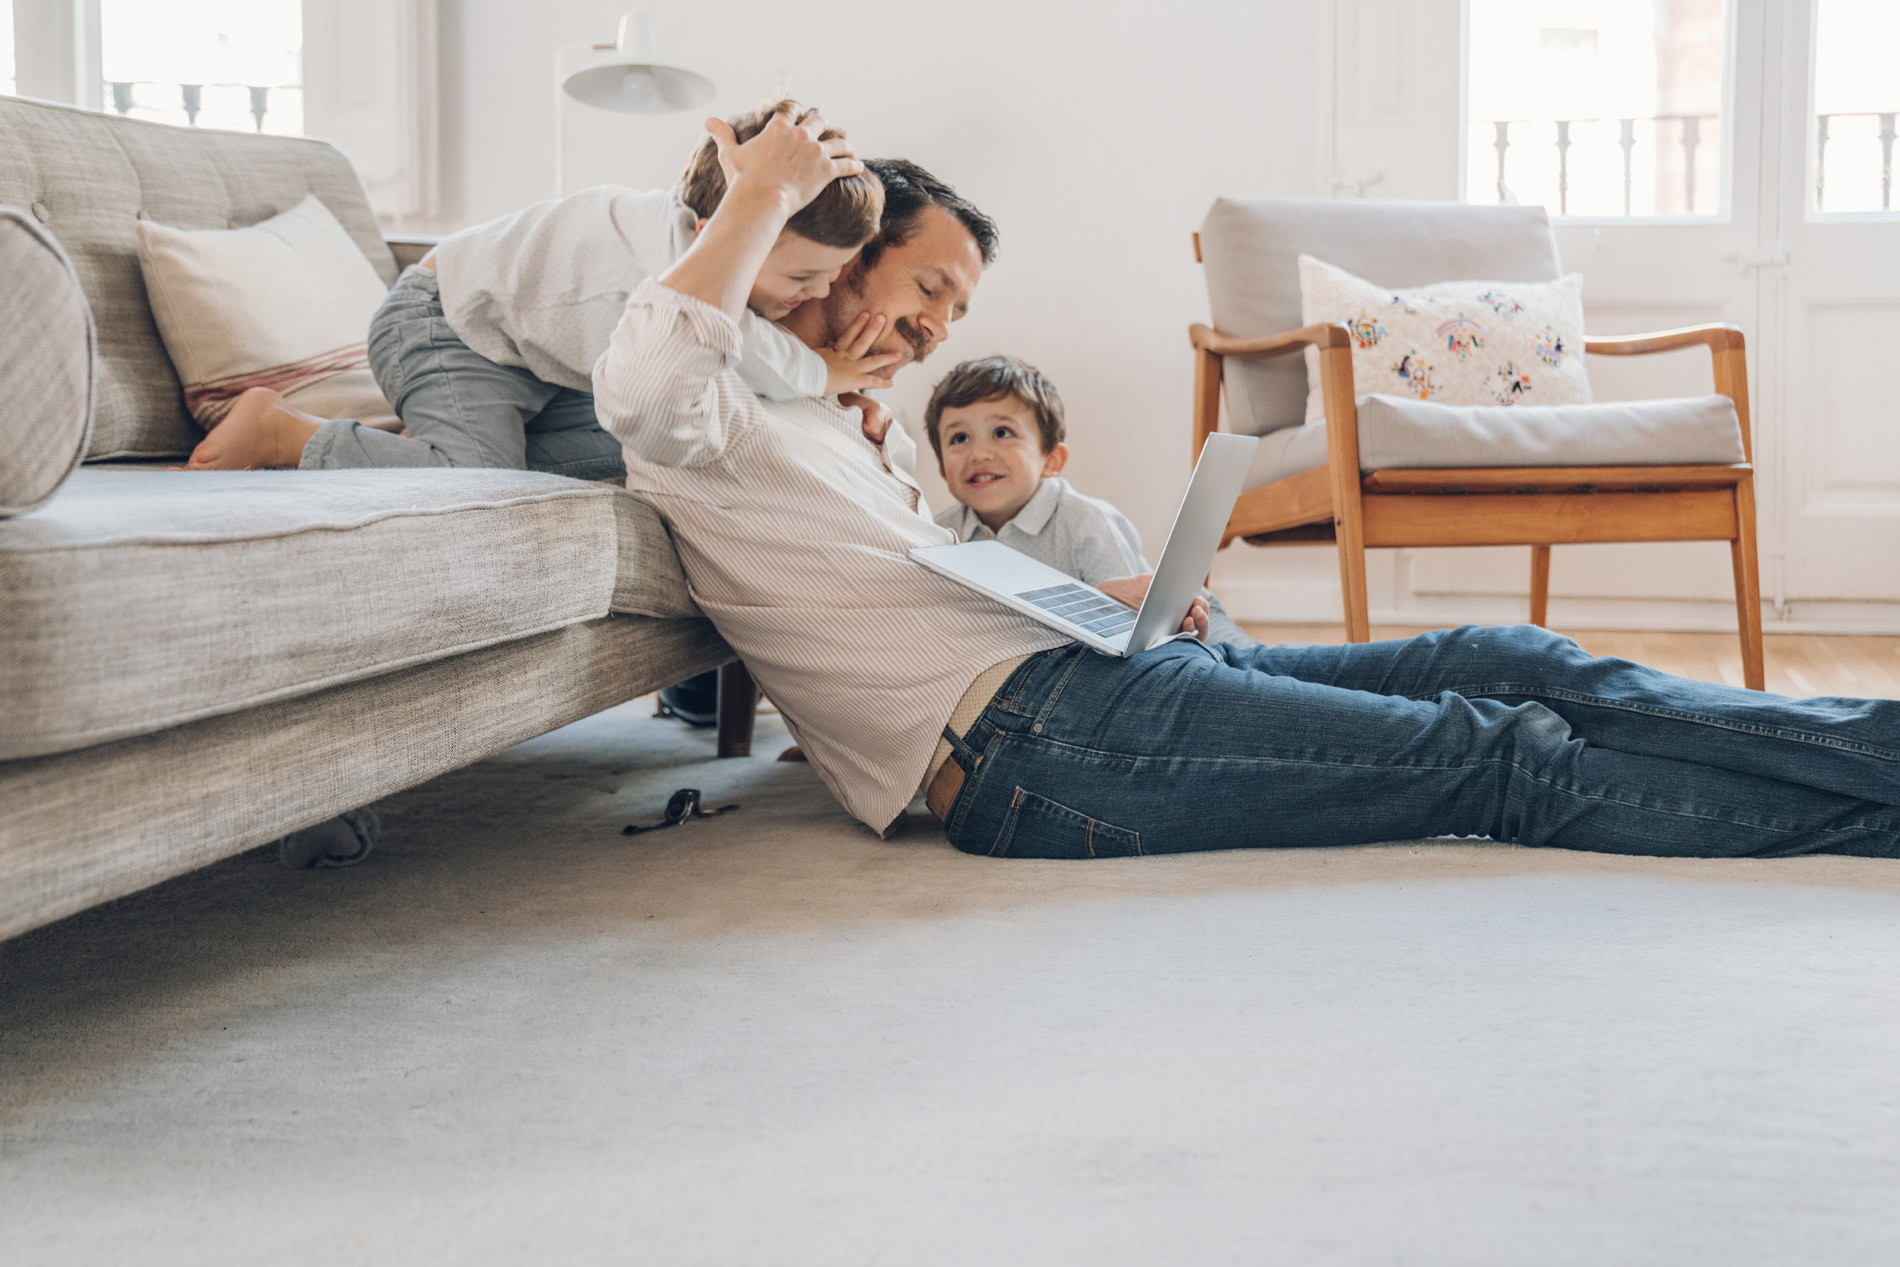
[[850, 365], [1129, 591], [877, 419], [785, 158]]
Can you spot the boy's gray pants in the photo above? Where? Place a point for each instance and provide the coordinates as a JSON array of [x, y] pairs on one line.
[[460, 408]]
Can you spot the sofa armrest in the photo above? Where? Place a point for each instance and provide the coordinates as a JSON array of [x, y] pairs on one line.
[[409, 248]]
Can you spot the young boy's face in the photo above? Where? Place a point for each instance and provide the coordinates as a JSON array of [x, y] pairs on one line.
[[993, 459], [797, 269]]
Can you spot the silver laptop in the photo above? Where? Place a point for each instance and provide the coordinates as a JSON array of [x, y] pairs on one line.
[[1084, 612]]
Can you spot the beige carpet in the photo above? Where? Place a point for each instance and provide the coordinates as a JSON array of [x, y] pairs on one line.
[[518, 1036]]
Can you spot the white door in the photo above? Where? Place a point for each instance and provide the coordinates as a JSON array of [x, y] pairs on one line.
[[1837, 303], [1707, 211], [1639, 124]]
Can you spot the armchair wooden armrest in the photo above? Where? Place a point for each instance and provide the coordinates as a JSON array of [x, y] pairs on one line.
[[1334, 342], [1717, 338], [1208, 339]]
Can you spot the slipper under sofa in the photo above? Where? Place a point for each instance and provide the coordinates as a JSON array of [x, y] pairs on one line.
[[193, 664]]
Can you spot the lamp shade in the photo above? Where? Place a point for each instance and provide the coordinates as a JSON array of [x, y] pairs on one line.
[[635, 79]]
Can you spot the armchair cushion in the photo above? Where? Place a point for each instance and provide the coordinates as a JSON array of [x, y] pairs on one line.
[[1400, 432]]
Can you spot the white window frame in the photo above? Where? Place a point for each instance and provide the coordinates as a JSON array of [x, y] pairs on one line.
[[1725, 205], [56, 51], [1810, 208]]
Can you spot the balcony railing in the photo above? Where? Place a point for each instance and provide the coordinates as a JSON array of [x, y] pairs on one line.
[[1676, 138], [163, 99], [1828, 127]]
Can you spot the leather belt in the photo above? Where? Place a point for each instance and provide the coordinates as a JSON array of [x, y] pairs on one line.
[[943, 790]]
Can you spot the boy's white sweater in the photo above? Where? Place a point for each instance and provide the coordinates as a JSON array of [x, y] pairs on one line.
[[543, 288]]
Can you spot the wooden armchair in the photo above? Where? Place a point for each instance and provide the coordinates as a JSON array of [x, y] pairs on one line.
[[1539, 506]]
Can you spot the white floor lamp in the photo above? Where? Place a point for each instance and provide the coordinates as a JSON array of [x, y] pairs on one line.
[[631, 79]]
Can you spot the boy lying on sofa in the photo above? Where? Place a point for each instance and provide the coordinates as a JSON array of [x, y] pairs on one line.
[[487, 347]]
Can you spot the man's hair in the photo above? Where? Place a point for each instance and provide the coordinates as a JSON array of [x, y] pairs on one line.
[[996, 378], [909, 191], [844, 214]]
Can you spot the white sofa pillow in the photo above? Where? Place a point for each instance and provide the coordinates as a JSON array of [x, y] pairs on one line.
[[1458, 343], [284, 304]]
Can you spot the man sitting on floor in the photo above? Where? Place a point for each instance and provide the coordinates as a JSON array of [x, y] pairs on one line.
[[793, 530]]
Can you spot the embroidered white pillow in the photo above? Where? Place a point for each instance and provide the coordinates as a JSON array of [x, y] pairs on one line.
[[1458, 343], [283, 304]]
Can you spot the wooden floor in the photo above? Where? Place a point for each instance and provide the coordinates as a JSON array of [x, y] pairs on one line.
[[1798, 664]]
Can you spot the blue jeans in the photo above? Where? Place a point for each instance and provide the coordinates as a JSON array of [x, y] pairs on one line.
[[459, 407], [1513, 733]]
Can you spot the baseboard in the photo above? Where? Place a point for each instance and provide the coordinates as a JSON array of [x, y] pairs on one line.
[[1249, 599]]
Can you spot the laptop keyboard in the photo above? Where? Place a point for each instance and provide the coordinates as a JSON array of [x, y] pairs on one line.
[[1082, 606]]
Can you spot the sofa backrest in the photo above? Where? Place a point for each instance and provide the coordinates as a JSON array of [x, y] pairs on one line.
[[90, 177], [1250, 249]]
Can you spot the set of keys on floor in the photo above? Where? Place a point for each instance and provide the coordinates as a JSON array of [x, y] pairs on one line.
[[681, 806]]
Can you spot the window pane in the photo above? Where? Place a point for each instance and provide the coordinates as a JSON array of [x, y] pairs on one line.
[[1597, 107], [213, 63], [1856, 96]]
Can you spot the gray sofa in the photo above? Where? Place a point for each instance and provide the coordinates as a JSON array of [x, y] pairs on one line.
[[196, 663]]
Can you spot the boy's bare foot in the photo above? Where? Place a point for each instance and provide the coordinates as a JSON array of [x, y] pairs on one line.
[[260, 431]]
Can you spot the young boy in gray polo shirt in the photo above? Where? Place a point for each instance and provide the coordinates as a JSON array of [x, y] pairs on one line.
[[998, 430]]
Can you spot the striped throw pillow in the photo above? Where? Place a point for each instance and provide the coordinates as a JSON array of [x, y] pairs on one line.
[[284, 304]]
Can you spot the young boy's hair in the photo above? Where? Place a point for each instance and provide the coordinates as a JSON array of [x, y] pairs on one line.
[[845, 213], [994, 378]]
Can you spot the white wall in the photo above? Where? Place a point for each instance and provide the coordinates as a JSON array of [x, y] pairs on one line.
[[1096, 133]]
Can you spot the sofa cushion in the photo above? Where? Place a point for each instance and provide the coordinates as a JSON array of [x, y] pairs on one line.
[[137, 599], [1250, 249], [219, 298], [650, 580], [90, 177], [1399, 432], [46, 370]]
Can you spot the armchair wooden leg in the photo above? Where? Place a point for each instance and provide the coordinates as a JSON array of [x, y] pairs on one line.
[[1352, 583], [1343, 478], [738, 709], [1748, 587], [1540, 585]]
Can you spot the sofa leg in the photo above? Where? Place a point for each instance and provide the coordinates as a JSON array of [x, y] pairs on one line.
[[738, 708]]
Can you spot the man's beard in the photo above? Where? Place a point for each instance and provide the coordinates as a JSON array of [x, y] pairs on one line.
[[836, 323], [920, 345]]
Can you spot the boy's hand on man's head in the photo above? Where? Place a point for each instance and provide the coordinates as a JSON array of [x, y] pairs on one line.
[[877, 419], [850, 365], [785, 158]]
